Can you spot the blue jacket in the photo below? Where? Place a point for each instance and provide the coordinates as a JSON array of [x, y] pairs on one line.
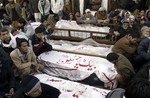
[[144, 48]]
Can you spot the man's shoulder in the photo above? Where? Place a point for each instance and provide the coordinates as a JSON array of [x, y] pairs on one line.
[[123, 40], [33, 37], [14, 52], [19, 94]]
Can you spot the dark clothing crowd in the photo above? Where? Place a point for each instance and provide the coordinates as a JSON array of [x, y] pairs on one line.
[[21, 44]]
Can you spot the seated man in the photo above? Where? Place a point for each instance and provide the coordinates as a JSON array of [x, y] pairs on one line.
[[143, 52], [64, 14], [87, 17], [139, 86], [126, 45], [39, 43], [7, 40], [123, 30], [144, 33], [7, 80], [47, 27], [24, 59], [123, 67], [32, 88], [101, 16]]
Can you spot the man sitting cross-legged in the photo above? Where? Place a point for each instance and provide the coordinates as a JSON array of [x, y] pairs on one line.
[[24, 59], [39, 43]]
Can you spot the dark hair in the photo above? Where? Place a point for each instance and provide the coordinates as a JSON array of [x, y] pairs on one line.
[[21, 20], [39, 29], [3, 54], [112, 56], [20, 40], [113, 14], [43, 19], [13, 30], [4, 30], [134, 35]]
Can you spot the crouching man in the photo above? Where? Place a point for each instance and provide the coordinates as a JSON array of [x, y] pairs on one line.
[[24, 59], [123, 67]]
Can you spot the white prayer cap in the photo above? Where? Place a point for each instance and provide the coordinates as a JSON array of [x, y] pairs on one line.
[[87, 10], [145, 27], [102, 9], [132, 18]]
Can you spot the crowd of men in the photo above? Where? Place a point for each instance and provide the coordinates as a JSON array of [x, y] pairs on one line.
[[21, 44]]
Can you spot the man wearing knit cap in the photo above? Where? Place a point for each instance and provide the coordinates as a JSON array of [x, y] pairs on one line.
[[32, 88]]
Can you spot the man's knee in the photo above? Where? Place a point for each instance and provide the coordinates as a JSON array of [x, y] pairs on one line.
[[40, 67], [48, 47], [26, 71]]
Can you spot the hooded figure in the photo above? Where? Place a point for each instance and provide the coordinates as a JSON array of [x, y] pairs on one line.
[[101, 15], [147, 16], [32, 88]]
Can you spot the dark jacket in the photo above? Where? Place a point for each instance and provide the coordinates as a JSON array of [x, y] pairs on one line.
[[46, 32], [144, 49], [40, 46], [77, 5], [37, 43], [123, 32], [124, 68], [8, 49], [11, 13], [7, 80], [47, 92], [139, 85]]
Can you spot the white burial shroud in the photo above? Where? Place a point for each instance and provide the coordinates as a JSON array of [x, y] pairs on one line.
[[71, 89], [78, 67]]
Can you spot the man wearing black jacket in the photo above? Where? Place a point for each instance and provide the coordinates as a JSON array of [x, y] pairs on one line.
[[7, 81], [32, 88], [39, 43]]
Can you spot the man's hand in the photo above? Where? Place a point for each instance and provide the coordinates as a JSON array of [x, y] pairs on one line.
[[116, 33], [43, 38], [8, 95], [11, 91], [34, 63], [48, 27]]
